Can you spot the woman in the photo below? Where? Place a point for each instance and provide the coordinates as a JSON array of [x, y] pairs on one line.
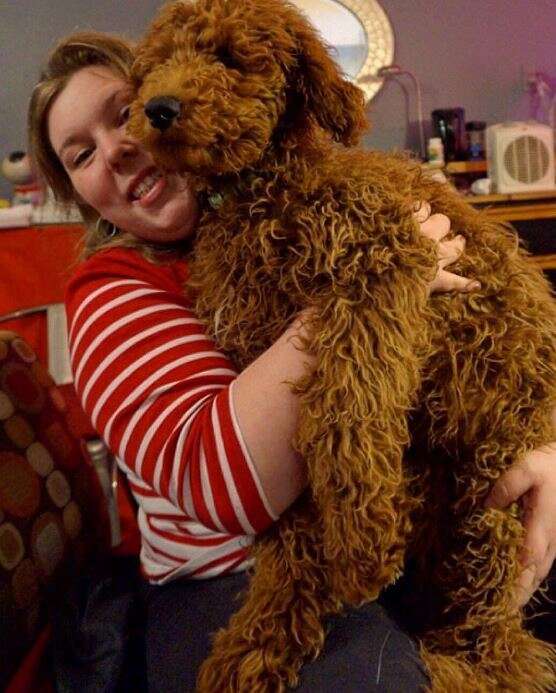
[[207, 452]]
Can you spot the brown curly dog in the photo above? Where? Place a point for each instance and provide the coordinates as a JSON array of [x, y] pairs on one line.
[[416, 405]]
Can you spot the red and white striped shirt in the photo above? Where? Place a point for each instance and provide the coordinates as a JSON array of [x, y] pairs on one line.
[[159, 393]]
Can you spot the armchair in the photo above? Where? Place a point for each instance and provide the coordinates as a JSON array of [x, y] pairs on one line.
[[53, 516]]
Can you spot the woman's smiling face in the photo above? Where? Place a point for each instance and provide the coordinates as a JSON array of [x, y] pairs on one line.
[[108, 169]]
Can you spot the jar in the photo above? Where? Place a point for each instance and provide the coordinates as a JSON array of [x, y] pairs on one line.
[[475, 139], [449, 125]]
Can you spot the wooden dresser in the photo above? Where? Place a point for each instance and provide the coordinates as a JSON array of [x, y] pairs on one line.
[[533, 215]]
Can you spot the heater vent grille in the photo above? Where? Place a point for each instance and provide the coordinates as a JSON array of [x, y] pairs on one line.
[[520, 157], [526, 159]]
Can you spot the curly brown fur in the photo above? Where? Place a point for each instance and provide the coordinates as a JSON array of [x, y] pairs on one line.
[[416, 405]]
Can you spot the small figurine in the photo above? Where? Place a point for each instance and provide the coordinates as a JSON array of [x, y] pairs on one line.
[[17, 168]]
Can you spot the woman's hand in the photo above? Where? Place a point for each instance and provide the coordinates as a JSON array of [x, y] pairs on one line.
[[532, 481], [436, 227]]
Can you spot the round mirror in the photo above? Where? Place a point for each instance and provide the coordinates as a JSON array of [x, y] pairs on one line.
[[360, 32]]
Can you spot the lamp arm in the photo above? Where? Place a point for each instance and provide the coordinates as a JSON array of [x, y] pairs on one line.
[[395, 70], [419, 112]]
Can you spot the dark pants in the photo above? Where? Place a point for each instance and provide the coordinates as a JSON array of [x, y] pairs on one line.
[[364, 651], [98, 626], [101, 621]]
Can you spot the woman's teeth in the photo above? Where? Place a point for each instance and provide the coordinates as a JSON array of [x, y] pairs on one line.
[[146, 185]]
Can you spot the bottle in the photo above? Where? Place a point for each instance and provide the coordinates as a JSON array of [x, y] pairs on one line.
[[449, 125], [475, 139], [436, 152]]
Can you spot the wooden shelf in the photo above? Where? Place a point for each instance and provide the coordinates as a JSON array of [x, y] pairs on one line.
[[455, 167], [517, 206], [545, 262], [512, 197]]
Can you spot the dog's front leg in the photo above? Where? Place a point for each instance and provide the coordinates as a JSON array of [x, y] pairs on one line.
[[280, 625], [354, 429]]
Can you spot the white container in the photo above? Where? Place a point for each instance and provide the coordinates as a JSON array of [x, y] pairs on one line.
[[435, 152]]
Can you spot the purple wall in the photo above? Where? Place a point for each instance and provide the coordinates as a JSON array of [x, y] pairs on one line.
[[473, 54]]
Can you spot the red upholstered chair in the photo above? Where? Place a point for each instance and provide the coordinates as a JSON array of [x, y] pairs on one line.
[[36, 264], [53, 513], [125, 537]]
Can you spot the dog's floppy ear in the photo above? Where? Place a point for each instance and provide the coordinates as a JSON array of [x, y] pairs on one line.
[[336, 104], [158, 44], [264, 31]]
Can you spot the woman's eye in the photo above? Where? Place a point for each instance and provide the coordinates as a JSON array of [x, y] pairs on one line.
[[82, 156], [124, 114]]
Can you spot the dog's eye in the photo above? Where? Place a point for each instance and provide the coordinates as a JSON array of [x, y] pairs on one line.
[[224, 56]]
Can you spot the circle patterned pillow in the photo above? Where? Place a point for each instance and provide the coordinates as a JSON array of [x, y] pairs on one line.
[[51, 509]]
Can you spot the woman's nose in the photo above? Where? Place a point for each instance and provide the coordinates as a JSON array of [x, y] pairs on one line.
[[119, 149]]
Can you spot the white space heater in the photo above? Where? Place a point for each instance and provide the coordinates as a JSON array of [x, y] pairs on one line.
[[520, 157]]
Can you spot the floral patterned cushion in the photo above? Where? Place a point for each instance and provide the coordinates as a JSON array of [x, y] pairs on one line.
[[51, 509]]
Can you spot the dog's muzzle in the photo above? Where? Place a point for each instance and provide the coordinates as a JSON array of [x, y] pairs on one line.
[[162, 111]]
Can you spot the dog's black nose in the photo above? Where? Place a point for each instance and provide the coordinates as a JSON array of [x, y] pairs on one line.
[[161, 111]]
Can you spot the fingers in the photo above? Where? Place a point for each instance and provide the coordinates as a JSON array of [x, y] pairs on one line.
[[540, 534], [447, 281], [536, 557], [532, 481], [422, 211], [436, 227], [531, 578], [510, 486], [525, 586], [535, 550], [545, 567], [450, 251], [539, 550]]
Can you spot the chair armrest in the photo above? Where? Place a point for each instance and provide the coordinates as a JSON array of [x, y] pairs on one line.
[[107, 471], [57, 337]]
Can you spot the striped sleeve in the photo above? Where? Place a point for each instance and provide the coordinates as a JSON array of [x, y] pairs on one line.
[[159, 392]]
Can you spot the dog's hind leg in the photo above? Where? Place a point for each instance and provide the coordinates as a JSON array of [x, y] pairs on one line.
[[490, 392], [474, 640], [483, 645]]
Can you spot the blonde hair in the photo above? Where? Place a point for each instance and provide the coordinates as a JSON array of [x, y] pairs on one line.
[[79, 50]]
